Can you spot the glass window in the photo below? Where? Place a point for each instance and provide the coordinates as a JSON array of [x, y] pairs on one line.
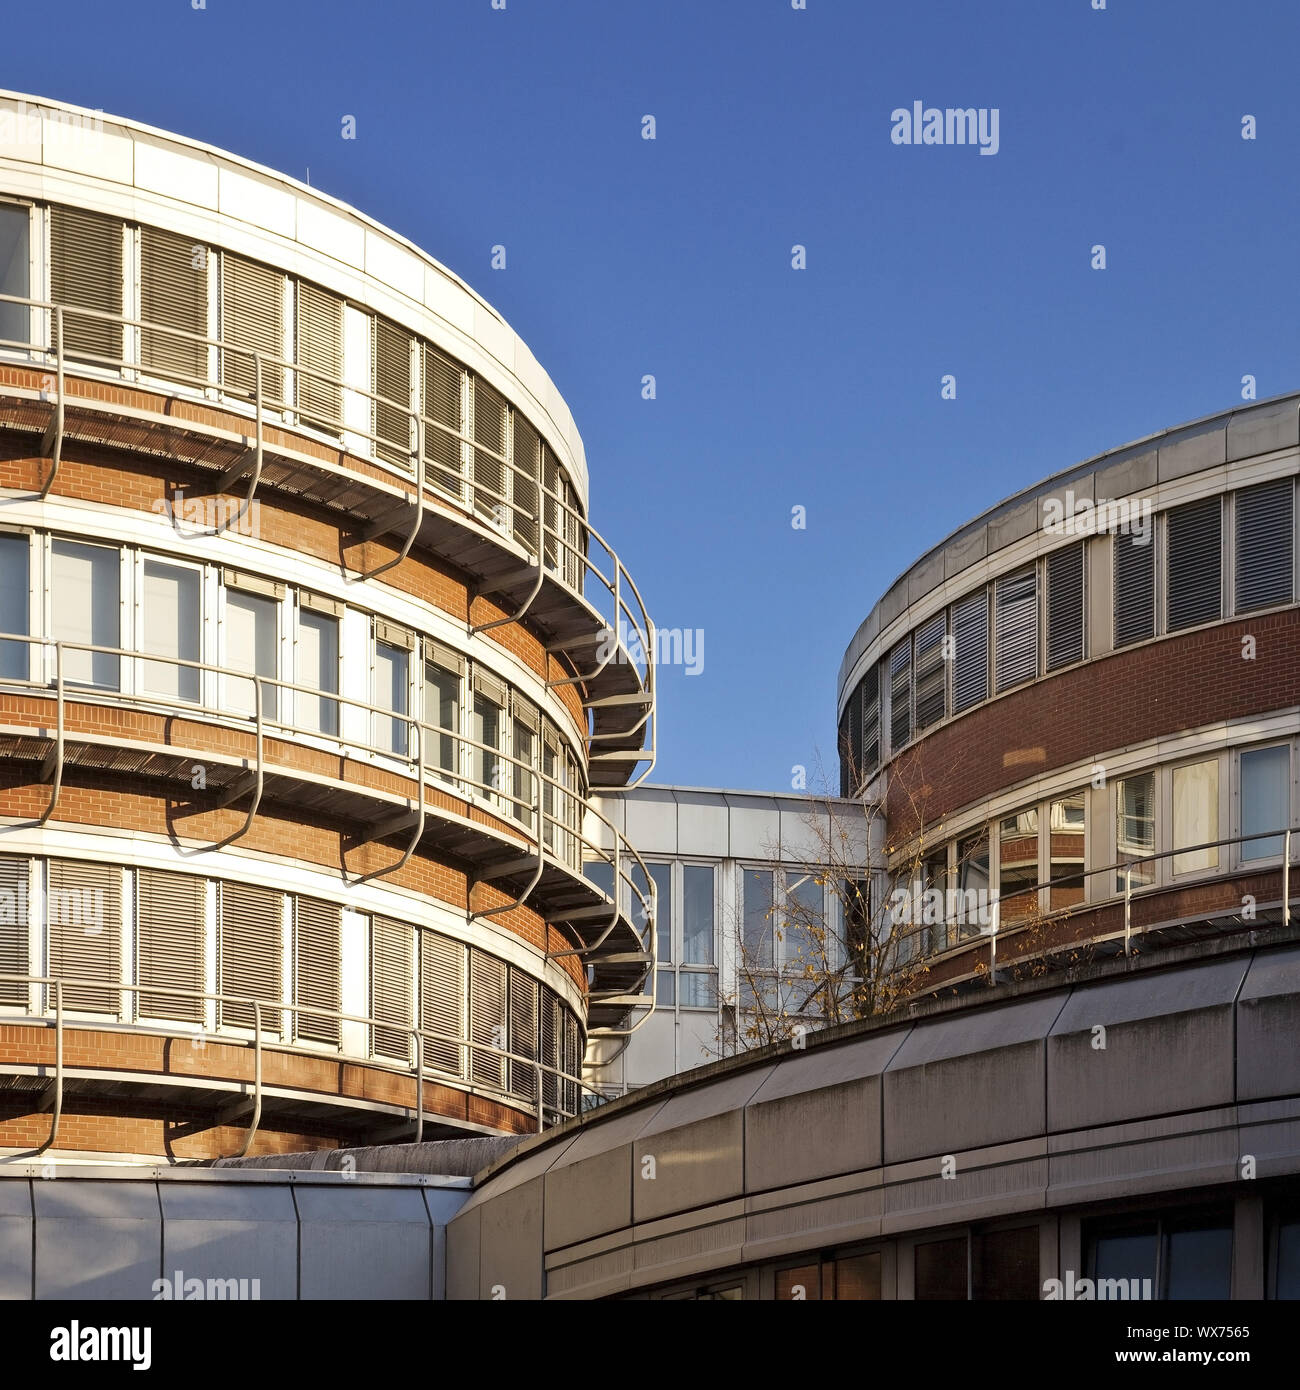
[[663, 880], [757, 917], [172, 628], [442, 712], [1005, 1264], [1127, 1254], [940, 1270], [15, 278], [251, 640], [697, 989], [803, 935], [601, 873], [391, 693], [1135, 829], [1196, 815], [1134, 587], [665, 988], [1015, 629], [857, 1278], [1194, 563], [1265, 521], [800, 1284], [318, 667], [1018, 865], [1198, 1260], [1286, 1258], [697, 914], [1067, 837], [15, 661], [84, 605], [525, 788], [974, 909], [1265, 799], [488, 720]]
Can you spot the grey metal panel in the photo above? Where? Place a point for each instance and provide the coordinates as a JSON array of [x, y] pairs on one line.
[[510, 1251], [925, 576], [1260, 429], [976, 1192], [830, 1092], [1191, 450], [754, 827], [1082, 487], [1128, 472], [589, 1197], [364, 1243], [651, 821], [231, 1231], [96, 1239], [15, 1238], [702, 823], [463, 1257], [893, 603], [1014, 524], [1268, 1024], [963, 551]]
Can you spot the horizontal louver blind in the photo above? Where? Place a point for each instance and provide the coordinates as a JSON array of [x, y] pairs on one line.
[[489, 441], [174, 294], [169, 944], [252, 319], [1135, 588], [970, 633], [526, 459], [391, 974], [391, 353], [551, 1047], [900, 695], [83, 910], [15, 876], [931, 672], [552, 514], [853, 742], [316, 985], [1195, 563], [1065, 607], [1265, 542], [1015, 629], [572, 1062], [523, 1033], [251, 963], [442, 1000], [847, 774], [487, 1018], [444, 466], [86, 273], [871, 720], [320, 357]]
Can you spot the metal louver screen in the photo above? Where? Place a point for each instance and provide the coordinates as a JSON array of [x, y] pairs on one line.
[[1195, 563], [391, 972], [316, 983], [249, 953], [572, 1062], [853, 742], [552, 518], [931, 672], [15, 876], [1065, 607], [970, 662], [443, 426], [391, 379], [846, 770], [173, 294], [523, 1033], [487, 1018], [1015, 629], [871, 719], [526, 458], [169, 944], [83, 910], [442, 1001], [575, 549], [900, 695], [1135, 588], [1265, 536], [320, 357], [86, 273], [489, 441], [252, 319], [551, 1048]]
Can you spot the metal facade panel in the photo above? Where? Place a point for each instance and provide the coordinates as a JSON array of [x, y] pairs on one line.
[[1263, 428], [364, 1243], [231, 1231], [511, 1244], [97, 1239], [1193, 450], [15, 1238], [1268, 1023], [463, 1256]]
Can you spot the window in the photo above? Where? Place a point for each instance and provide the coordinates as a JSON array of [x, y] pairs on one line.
[[318, 667], [1265, 533], [1176, 1256], [851, 1278], [974, 909], [15, 939], [900, 695], [85, 610], [391, 380], [15, 657], [1135, 829], [804, 940], [697, 914], [320, 357], [316, 970], [1265, 799], [931, 672], [1018, 866], [1195, 564], [970, 632], [1196, 815], [939, 1270], [524, 730], [442, 676], [1004, 1265], [249, 955], [252, 321], [522, 1009], [442, 1000], [391, 693], [488, 732], [172, 628], [870, 722], [174, 295], [526, 458], [757, 918], [1065, 609], [1066, 851], [392, 1002], [1286, 1255], [443, 406], [83, 907], [1135, 587], [15, 275], [86, 273], [490, 442], [1015, 629], [251, 641]]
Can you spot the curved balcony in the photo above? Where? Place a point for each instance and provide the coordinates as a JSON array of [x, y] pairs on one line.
[[382, 467], [391, 777]]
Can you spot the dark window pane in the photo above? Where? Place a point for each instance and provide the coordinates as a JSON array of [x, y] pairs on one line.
[[1199, 1262], [857, 1278], [1126, 1255], [798, 1283], [602, 875], [1006, 1264], [1288, 1259], [15, 319], [758, 917], [663, 878], [697, 914], [941, 1270], [665, 987]]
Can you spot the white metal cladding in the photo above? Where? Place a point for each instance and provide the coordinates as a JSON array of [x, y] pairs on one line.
[[173, 293], [442, 999], [86, 272], [523, 1032], [169, 943], [250, 953], [931, 672], [391, 983], [316, 982], [1015, 629], [83, 913], [487, 1018], [252, 318], [970, 628], [15, 883], [1195, 565], [1065, 606], [1135, 588], [1265, 543]]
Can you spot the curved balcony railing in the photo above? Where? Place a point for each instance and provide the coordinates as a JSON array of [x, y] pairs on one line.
[[527, 516], [528, 1083], [536, 820]]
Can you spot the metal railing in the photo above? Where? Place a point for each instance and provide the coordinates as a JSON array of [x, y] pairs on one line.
[[555, 540]]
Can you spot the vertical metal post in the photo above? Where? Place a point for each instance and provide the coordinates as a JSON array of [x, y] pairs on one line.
[[58, 1068], [541, 1110], [257, 1080], [419, 1085], [1286, 878], [993, 941], [58, 751], [56, 425], [1128, 909]]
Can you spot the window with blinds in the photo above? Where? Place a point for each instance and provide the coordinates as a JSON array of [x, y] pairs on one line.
[[174, 295], [489, 449], [1194, 588], [524, 732], [170, 911], [527, 460], [250, 965], [1015, 629], [1265, 544], [1065, 610], [575, 549], [871, 719], [572, 1062], [442, 1001], [523, 1034], [488, 727], [931, 672], [487, 1018], [316, 983], [900, 695], [442, 407], [553, 533], [83, 914], [86, 273], [970, 666], [551, 1050], [851, 743], [390, 360], [15, 878], [252, 320], [391, 975], [1135, 588], [320, 357]]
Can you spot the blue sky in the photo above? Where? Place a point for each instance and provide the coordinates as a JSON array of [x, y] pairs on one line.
[[779, 388]]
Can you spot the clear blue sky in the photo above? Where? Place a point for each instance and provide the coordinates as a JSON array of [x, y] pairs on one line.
[[776, 388]]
